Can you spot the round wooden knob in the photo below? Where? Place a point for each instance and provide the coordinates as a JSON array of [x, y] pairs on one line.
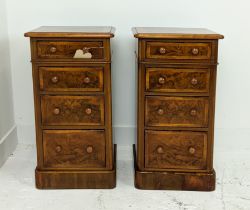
[[54, 79], [56, 111], [193, 112], [161, 80], [191, 150], [160, 150], [162, 50], [58, 148], [194, 81], [195, 51], [89, 149], [88, 111], [160, 111], [86, 80], [52, 49]]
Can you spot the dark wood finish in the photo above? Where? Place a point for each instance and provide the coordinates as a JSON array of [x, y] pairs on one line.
[[71, 78], [176, 101], [72, 98], [173, 150], [176, 111], [74, 149], [72, 110], [77, 179], [177, 80]]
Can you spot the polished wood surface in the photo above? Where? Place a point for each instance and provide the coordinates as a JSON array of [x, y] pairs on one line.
[[176, 105], [89, 79], [72, 31], [71, 69], [175, 33]]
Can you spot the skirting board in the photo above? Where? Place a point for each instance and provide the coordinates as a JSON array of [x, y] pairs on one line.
[[8, 144]]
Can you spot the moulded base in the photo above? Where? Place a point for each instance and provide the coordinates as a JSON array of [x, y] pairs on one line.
[[159, 180], [77, 179]]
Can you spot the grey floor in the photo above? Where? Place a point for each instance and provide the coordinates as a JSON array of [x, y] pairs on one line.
[[17, 190]]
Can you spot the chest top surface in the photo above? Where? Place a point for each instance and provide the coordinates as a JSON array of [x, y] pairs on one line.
[[175, 33], [73, 31]]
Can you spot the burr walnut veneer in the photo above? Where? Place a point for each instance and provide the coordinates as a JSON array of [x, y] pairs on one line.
[[176, 102], [72, 93]]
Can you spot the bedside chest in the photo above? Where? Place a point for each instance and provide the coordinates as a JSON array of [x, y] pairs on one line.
[[176, 102], [72, 92]]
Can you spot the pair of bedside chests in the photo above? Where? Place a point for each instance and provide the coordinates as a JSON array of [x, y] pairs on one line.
[[176, 79]]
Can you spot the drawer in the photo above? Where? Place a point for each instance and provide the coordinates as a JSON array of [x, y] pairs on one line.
[[71, 78], [70, 50], [72, 110], [175, 150], [177, 80], [176, 111], [74, 148], [178, 50]]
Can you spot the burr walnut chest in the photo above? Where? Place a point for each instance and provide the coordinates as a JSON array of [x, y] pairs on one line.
[[176, 106], [72, 92]]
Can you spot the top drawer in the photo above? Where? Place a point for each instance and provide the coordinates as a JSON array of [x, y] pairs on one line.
[[178, 50], [74, 50]]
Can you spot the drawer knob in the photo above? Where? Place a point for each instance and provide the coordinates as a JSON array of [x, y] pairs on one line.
[[160, 111], [89, 149], [88, 111], [52, 49], [54, 79], [162, 50], [160, 150], [86, 80], [161, 80], [191, 150], [195, 51], [58, 148], [56, 111], [193, 112], [194, 81]]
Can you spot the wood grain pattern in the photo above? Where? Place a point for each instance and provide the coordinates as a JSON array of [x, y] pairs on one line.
[[178, 50], [182, 80], [72, 110], [176, 111], [72, 32], [67, 49], [174, 33], [175, 150], [74, 149], [71, 78]]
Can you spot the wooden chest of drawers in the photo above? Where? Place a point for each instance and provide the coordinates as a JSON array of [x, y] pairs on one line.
[[72, 93], [176, 102]]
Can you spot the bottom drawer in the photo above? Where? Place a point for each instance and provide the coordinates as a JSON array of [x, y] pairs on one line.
[[74, 148], [175, 150]]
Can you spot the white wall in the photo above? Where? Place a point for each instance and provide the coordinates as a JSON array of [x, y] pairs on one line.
[[8, 137], [230, 18]]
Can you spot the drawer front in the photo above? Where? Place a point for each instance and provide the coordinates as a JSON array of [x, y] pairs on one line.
[[71, 78], [177, 80], [178, 50], [72, 110], [70, 50], [176, 111], [74, 148], [175, 150]]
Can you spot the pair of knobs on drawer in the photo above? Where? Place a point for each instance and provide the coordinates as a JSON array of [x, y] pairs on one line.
[[163, 50], [160, 150], [55, 80], [57, 111], [193, 112], [162, 81], [89, 149]]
